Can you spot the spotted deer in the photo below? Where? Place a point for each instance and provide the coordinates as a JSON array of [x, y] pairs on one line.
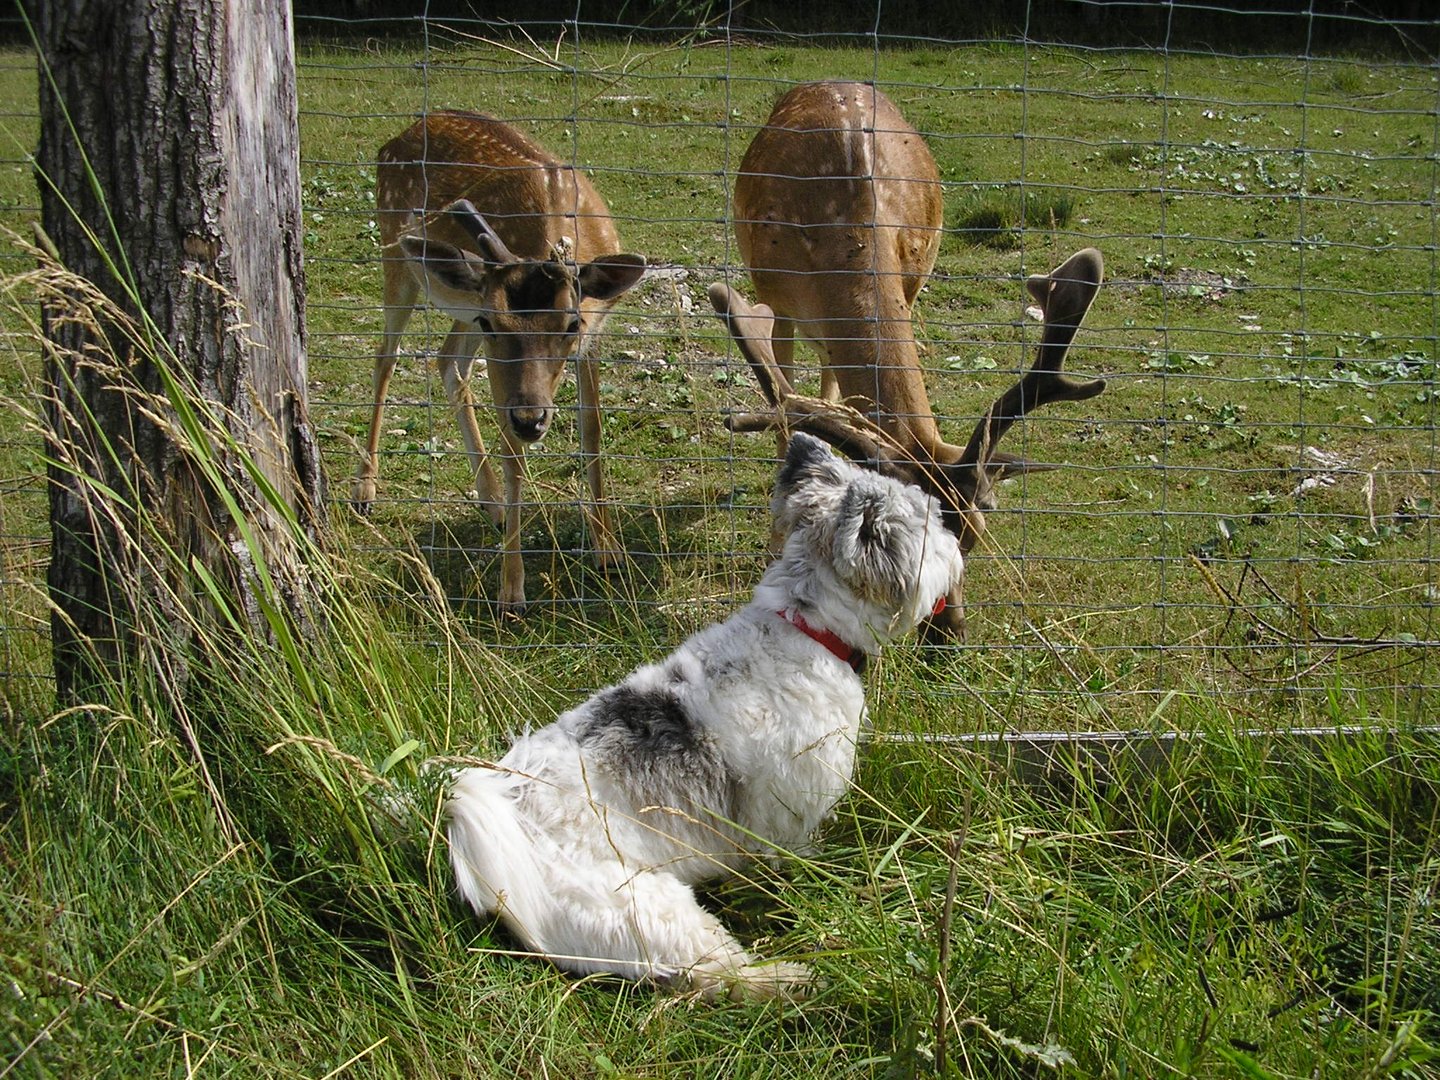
[[838, 214], [519, 249]]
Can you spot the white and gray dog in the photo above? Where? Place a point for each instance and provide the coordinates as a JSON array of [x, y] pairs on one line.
[[588, 835]]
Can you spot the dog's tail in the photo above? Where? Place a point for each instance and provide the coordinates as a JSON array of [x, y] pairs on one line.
[[496, 862]]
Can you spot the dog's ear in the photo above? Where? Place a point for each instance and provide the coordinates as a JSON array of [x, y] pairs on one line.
[[874, 549], [811, 478], [808, 459]]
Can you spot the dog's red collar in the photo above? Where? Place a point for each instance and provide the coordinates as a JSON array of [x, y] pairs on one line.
[[838, 647]]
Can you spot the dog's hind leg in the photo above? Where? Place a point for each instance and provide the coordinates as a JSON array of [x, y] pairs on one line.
[[670, 925], [648, 925]]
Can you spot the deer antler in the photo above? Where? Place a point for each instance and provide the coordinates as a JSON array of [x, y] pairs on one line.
[[1064, 295], [464, 214]]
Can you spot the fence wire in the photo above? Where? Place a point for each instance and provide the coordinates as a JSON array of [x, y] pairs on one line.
[[1248, 509]]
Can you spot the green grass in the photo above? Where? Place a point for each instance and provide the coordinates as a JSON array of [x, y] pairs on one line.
[[235, 904], [998, 217]]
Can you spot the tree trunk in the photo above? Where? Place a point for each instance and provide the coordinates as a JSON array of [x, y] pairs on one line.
[[168, 169]]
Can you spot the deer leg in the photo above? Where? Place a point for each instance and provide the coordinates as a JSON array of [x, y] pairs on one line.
[[401, 288], [602, 536], [829, 380], [512, 566], [782, 344], [457, 358]]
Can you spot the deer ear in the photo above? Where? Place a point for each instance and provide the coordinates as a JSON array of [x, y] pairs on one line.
[[906, 470], [453, 280], [807, 459], [609, 276]]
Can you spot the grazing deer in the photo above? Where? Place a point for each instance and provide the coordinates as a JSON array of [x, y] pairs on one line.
[[519, 249], [838, 215]]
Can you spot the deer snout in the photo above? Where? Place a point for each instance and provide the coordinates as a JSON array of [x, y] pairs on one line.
[[530, 422]]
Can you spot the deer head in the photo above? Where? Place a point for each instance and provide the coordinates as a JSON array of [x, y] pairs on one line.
[[532, 312], [962, 478]]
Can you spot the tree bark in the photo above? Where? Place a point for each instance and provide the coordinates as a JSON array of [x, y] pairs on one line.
[[168, 169]]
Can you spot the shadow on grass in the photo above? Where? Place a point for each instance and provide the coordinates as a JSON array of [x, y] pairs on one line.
[[670, 571]]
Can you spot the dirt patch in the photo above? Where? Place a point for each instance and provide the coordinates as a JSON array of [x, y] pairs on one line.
[[1197, 284]]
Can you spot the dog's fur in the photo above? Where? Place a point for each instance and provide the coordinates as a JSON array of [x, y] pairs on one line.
[[587, 836]]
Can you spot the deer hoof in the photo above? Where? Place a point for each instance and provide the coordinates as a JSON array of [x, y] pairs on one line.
[[362, 496], [492, 508], [609, 559], [512, 602]]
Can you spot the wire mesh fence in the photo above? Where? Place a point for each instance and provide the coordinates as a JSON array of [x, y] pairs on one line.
[[24, 527], [1247, 510]]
